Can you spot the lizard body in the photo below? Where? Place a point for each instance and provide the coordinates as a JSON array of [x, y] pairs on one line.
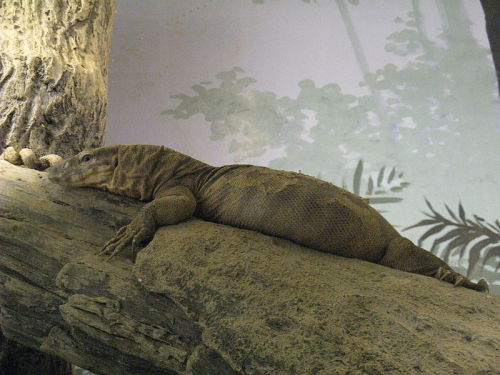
[[304, 209]]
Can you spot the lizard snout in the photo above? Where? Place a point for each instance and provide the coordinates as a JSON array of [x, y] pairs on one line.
[[56, 172]]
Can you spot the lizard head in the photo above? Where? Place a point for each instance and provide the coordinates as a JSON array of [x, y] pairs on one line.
[[92, 168]]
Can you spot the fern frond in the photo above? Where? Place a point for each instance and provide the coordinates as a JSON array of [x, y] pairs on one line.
[[472, 236], [380, 186]]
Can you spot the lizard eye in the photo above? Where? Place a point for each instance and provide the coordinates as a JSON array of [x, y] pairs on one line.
[[86, 157]]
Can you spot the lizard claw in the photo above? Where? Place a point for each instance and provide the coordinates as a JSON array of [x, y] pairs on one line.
[[459, 280], [107, 246], [455, 278], [483, 286], [140, 229], [442, 273]]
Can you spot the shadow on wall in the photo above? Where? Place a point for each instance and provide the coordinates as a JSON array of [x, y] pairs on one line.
[[427, 109]]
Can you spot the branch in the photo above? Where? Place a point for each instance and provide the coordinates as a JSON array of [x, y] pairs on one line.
[[205, 298]]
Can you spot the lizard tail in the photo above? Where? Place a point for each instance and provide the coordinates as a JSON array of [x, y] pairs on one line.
[[404, 255]]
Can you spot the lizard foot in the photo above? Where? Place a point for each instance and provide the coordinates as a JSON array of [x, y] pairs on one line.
[[141, 229], [448, 275]]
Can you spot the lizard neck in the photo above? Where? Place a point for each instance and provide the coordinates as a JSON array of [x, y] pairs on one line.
[[141, 169], [136, 171], [145, 171], [186, 171]]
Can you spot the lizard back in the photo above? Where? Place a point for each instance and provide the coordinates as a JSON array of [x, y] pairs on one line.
[[304, 209]]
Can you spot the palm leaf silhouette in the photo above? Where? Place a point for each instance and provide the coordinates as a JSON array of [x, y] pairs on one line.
[[381, 186], [457, 231]]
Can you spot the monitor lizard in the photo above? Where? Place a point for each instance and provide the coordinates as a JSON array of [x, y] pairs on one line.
[[290, 205]]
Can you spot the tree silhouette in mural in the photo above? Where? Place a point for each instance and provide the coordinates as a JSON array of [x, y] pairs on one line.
[[444, 87], [457, 103], [430, 107], [426, 102]]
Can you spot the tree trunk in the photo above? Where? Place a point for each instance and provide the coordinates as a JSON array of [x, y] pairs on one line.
[[57, 296], [53, 98], [53, 74], [205, 298], [16, 359], [361, 59], [492, 16]]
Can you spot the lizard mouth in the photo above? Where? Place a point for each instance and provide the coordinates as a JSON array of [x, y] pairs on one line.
[[55, 173]]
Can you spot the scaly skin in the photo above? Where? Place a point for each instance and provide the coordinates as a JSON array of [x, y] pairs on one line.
[[290, 205]]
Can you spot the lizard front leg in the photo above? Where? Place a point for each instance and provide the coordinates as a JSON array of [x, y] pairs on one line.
[[169, 207]]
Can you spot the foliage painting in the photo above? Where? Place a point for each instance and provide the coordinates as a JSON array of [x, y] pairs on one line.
[[421, 113], [471, 238], [426, 107], [382, 186]]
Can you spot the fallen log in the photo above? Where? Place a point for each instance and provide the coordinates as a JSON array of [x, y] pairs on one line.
[[204, 298]]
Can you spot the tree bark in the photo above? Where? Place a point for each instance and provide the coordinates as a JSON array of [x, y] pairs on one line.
[[53, 99], [19, 359], [53, 74], [492, 16], [57, 296], [204, 298]]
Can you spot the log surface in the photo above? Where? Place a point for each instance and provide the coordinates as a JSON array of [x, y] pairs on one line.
[[204, 298]]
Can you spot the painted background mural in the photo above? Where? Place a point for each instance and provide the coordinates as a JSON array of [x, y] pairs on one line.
[[394, 99]]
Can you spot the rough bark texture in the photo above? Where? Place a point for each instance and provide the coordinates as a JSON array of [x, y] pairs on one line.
[[53, 98], [492, 17], [53, 74], [16, 359], [205, 298]]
